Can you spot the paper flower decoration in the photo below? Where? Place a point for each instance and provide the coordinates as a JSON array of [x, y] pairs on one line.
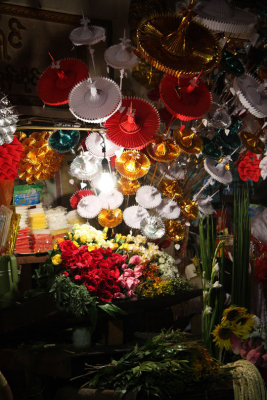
[[134, 215], [152, 227], [173, 172], [111, 200], [171, 189], [95, 144], [251, 93], [220, 16], [10, 155], [84, 166], [263, 167], [127, 186], [95, 100], [162, 149], [168, 209], [218, 116], [76, 197], [188, 141], [89, 206], [57, 80], [133, 126], [249, 166], [189, 209], [148, 196], [8, 120], [252, 142], [185, 98], [38, 161], [132, 164], [177, 45], [121, 56], [219, 170], [64, 141], [174, 230], [110, 218], [204, 205]]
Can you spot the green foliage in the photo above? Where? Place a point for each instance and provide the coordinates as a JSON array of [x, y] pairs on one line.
[[164, 366]]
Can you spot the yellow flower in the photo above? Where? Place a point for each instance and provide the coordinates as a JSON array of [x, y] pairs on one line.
[[231, 314], [114, 246], [244, 324], [56, 260], [59, 240], [83, 239], [75, 243], [222, 335], [124, 246], [117, 237], [70, 235], [76, 236], [55, 247], [92, 247], [123, 237]]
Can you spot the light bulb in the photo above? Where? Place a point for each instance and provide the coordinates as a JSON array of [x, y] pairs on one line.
[[106, 182]]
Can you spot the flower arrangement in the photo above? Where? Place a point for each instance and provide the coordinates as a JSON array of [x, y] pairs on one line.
[[91, 271], [243, 334]]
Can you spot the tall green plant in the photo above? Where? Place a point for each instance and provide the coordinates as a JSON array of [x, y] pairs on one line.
[[212, 264], [241, 284]]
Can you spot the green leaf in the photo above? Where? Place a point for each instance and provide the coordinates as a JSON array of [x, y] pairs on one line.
[[112, 310]]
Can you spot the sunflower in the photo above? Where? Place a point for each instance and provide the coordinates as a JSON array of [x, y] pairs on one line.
[[231, 314], [244, 324], [222, 335]]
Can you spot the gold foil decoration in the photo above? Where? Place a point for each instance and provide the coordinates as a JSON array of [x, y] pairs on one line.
[[127, 187], [110, 218], [132, 164], [188, 141], [177, 45], [38, 161], [171, 189], [20, 135], [189, 209], [174, 230], [252, 142], [162, 149]]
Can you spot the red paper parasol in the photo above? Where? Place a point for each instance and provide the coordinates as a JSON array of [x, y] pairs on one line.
[[134, 125], [185, 98], [76, 197], [57, 80]]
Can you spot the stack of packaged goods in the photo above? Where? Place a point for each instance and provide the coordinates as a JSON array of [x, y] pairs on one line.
[[74, 218], [42, 240], [24, 239], [57, 222]]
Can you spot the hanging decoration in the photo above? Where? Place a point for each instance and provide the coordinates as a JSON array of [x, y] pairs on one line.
[[219, 171], [185, 98], [38, 161], [111, 200], [174, 230], [189, 209], [168, 209], [97, 141], [84, 166], [89, 206], [77, 196], [121, 56], [177, 45], [220, 16], [110, 218], [133, 216], [252, 142], [88, 35], [8, 120], [148, 197], [10, 155], [57, 80], [152, 227], [134, 125], [64, 141], [176, 171], [188, 141], [127, 186], [162, 149], [171, 188], [249, 166], [94, 100], [132, 164]]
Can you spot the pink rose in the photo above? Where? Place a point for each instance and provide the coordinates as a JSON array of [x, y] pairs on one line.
[[119, 295], [124, 266], [65, 273], [131, 294], [128, 272], [135, 260], [131, 283]]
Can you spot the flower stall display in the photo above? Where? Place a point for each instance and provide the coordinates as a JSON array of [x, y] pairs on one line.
[[91, 271]]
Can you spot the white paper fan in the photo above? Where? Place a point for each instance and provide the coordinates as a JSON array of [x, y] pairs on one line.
[[133, 216], [168, 209], [89, 207], [111, 200], [175, 172], [148, 196], [84, 166], [87, 35], [218, 171], [96, 142], [95, 100], [204, 205], [252, 94]]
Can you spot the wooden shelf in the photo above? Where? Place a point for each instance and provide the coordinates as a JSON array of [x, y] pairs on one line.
[[32, 258]]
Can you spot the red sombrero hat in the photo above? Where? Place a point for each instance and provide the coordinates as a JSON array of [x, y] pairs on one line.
[[57, 80], [185, 98], [77, 196], [134, 125]]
